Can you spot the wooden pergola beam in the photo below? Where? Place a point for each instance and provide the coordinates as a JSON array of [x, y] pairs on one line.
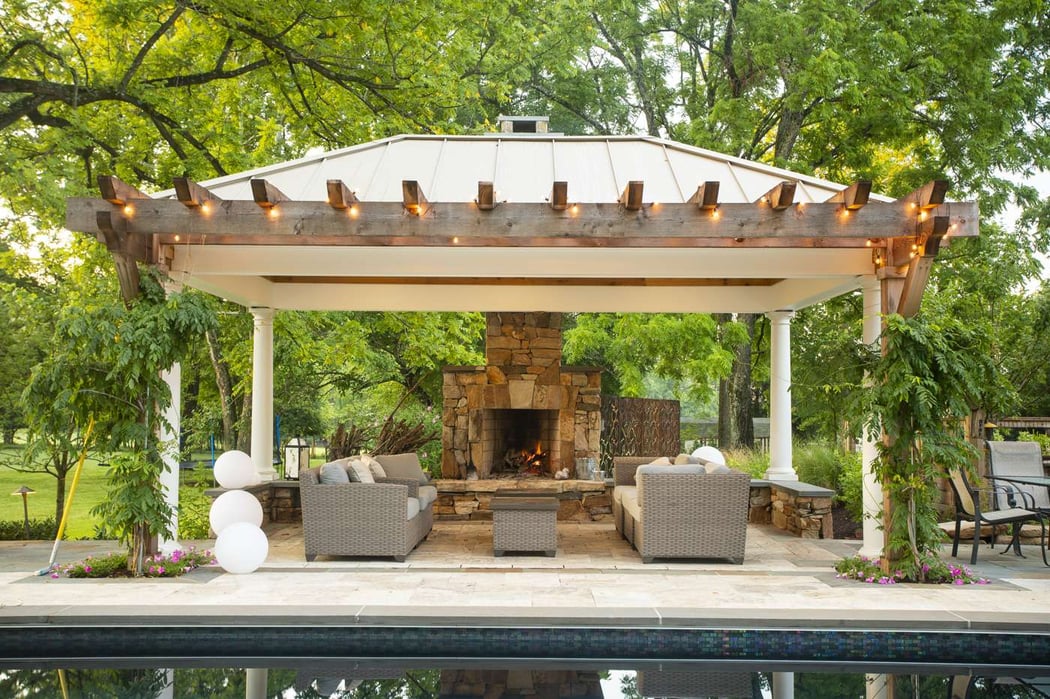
[[265, 194], [112, 229], [706, 196], [118, 192], [853, 197], [781, 196], [486, 200], [513, 225], [928, 196], [192, 194], [339, 195], [631, 198], [920, 266], [412, 199], [559, 197]]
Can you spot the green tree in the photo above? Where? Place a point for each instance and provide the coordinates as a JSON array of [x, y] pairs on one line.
[[923, 387], [683, 347], [105, 361]]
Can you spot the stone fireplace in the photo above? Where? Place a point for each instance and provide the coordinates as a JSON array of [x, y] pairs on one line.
[[523, 413]]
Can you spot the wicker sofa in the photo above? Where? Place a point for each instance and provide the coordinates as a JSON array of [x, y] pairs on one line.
[[680, 511], [385, 518]]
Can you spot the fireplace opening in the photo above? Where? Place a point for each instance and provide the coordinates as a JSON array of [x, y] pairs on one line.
[[521, 443]]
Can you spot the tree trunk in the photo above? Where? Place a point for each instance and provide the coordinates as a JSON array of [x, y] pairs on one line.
[[244, 429], [725, 415], [224, 385], [60, 497], [740, 386], [725, 398]]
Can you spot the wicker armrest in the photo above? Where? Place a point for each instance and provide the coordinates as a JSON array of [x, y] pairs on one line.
[[625, 466], [413, 485]]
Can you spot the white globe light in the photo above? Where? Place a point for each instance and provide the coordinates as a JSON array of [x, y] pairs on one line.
[[234, 506], [234, 469], [710, 454], [241, 548]]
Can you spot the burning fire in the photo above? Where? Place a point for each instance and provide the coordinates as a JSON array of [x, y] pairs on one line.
[[529, 462]]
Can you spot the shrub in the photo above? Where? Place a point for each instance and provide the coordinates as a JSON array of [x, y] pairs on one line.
[[194, 508], [851, 487], [159, 566], [1041, 439], [819, 464], [39, 529], [750, 461]]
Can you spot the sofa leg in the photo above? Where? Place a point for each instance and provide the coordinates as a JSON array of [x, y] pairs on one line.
[[737, 561], [399, 559], [647, 559], [310, 557], [497, 554], [549, 554]]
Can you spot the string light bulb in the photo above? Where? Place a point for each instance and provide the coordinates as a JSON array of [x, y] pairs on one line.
[[129, 209]]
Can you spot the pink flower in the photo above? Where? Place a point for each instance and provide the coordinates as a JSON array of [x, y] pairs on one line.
[[160, 570], [87, 569], [957, 581], [54, 575]]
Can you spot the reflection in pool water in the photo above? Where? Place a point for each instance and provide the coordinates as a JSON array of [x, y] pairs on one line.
[[350, 679]]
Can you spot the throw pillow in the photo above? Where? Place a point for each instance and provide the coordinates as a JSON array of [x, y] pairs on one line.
[[359, 473], [333, 473], [712, 467], [374, 466]]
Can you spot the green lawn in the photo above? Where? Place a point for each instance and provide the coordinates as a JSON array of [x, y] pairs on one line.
[[90, 492]]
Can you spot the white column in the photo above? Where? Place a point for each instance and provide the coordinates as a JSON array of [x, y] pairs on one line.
[[872, 496], [878, 686], [262, 394], [255, 683], [169, 444], [783, 685], [780, 466], [168, 691]]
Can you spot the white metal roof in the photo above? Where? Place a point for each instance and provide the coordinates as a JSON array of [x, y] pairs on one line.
[[522, 168]]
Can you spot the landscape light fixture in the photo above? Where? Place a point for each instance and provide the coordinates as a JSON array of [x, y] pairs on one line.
[[24, 491]]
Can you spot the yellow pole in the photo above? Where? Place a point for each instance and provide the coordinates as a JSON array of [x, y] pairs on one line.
[[69, 499]]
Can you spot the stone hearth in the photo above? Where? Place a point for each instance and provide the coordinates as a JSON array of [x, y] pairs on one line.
[[522, 401]]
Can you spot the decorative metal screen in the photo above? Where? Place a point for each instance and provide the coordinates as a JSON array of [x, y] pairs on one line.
[[639, 427]]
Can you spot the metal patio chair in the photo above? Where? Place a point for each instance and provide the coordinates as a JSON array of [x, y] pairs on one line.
[[968, 507]]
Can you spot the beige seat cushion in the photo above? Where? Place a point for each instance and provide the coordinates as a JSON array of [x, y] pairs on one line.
[[620, 491], [427, 495], [630, 505], [413, 508]]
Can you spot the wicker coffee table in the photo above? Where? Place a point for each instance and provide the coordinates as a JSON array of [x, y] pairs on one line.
[[524, 520]]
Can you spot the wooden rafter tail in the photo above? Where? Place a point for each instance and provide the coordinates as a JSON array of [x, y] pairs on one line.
[[486, 200], [118, 192], [559, 198], [413, 199], [340, 196], [781, 196], [928, 196], [193, 195], [265, 194], [631, 198], [706, 196], [853, 197]]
